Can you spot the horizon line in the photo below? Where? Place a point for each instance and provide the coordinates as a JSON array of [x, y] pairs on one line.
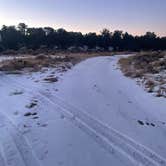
[[86, 32]]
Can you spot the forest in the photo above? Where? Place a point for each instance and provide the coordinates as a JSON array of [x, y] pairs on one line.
[[24, 37]]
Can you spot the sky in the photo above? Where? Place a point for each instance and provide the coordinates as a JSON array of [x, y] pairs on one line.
[[133, 16]]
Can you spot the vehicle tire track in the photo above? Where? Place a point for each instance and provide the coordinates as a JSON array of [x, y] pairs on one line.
[[135, 150], [126, 146], [14, 148], [109, 147], [108, 130]]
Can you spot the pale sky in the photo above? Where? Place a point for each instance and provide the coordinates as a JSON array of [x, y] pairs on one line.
[[134, 16]]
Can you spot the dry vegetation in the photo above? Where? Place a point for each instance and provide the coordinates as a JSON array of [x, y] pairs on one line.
[[150, 67], [36, 62]]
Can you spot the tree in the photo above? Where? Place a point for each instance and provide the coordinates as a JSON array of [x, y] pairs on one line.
[[91, 40], [128, 42], [22, 27], [48, 31], [150, 35], [35, 37], [22, 36], [10, 37], [105, 37], [117, 39]]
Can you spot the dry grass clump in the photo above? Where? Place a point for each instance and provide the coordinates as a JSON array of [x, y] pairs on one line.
[[48, 59], [128, 68], [10, 52], [150, 67], [148, 62], [35, 62]]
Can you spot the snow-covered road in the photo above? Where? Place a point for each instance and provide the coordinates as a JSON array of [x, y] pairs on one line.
[[92, 116]]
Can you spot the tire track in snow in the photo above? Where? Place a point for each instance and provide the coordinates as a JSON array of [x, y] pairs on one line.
[[2, 158], [135, 150], [96, 136], [14, 148], [106, 130], [107, 136]]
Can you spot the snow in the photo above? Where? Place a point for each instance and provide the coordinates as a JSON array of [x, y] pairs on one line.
[[9, 57], [91, 117]]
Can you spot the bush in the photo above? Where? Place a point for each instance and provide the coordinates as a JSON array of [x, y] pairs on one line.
[[23, 50], [10, 52]]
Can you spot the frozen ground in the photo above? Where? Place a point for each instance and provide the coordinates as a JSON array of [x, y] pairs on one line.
[[92, 116]]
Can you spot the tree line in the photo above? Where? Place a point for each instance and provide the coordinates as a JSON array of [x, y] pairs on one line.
[[22, 36]]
